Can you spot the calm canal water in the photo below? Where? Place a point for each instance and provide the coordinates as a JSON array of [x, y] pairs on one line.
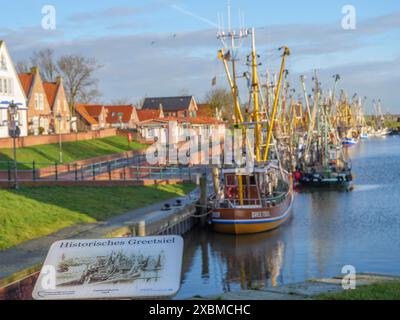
[[329, 229]]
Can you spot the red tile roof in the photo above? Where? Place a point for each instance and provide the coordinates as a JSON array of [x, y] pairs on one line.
[[89, 112], [26, 80], [51, 89], [147, 114], [114, 111]]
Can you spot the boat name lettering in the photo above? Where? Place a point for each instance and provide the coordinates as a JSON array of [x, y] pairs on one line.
[[260, 214]]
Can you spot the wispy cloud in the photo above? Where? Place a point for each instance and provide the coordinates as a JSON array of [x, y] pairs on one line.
[[193, 15], [164, 63], [114, 12]]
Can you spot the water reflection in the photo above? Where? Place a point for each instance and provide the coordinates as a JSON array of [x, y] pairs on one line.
[[229, 262], [329, 229], [254, 261]]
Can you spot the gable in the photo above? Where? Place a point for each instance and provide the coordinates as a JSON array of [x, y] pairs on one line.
[[9, 74]]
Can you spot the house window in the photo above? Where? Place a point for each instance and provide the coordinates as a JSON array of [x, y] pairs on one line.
[[113, 114], [5, 82], [36, 97], [6, 86], [119, 114], [3, 64], [41, 102]]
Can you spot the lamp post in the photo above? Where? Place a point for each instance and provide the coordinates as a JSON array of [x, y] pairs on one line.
[[59, 118], [14, 131]]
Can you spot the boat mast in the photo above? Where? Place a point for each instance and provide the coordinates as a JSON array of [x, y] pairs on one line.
[[286, 52], [256, 92], [230, 55], [302, 79]]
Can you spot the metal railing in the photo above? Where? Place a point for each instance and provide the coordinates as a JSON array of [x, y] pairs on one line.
[[272, 201], [126, 169]]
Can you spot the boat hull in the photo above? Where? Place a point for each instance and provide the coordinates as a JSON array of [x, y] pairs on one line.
[[252, 220], [349, 142]]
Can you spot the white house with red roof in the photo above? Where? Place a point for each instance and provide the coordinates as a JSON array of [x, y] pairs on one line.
[[11, 90]]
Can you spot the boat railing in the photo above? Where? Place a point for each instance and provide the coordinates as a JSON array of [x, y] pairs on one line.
[[271, 202]]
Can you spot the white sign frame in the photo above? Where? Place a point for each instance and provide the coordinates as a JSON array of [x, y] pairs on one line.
[[111, 268]]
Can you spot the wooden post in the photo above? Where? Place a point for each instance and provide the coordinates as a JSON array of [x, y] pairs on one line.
[[142, 229], [203, 199]]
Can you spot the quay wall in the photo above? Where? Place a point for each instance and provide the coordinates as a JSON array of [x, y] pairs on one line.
[[29, 141]]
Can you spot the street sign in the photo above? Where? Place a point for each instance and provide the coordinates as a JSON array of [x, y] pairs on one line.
[[140, 267]]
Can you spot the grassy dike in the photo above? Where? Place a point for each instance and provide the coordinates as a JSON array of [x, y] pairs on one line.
[[30, 213], [46, 154], [378, 291]]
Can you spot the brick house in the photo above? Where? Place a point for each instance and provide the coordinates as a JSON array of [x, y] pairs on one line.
[[122, 116], [184, 106], [57, 99], [91, 117], [39, 112]]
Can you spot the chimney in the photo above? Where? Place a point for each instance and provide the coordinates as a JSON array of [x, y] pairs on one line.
[[35, 70], [58, 80], [161, 111]]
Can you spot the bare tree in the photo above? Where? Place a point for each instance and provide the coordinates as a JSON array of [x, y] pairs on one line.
[[220, 100], [44, 60], [122, 102], [184, 92], [77, 72], [22, 66]]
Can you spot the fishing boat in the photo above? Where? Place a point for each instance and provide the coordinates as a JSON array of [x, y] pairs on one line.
[[349, 141], [260, 197], [320, 159], [266, 203]]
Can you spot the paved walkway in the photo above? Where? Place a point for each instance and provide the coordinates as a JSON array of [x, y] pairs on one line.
[[302, 291], [32, 253]]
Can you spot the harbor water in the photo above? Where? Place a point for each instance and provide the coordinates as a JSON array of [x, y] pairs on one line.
[[328, 230]]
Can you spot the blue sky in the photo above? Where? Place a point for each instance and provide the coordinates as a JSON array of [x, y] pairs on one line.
[[165, 47]]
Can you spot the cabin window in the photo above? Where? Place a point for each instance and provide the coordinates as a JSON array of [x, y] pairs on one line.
[[230, 180]]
